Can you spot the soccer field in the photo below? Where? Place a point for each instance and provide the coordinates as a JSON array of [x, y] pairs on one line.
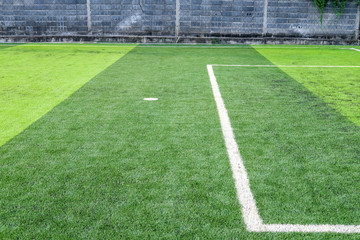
[[84, 156]]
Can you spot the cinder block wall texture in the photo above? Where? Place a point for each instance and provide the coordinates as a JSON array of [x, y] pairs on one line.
[[176, 18]]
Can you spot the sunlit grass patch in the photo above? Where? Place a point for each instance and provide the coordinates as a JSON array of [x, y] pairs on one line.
[[339, 87], [105, 164], [34, 79]]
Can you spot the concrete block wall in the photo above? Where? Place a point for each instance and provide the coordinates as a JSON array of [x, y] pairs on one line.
[[175, 18], [301, 18], [133, 17], [43, 17], [221, 17]]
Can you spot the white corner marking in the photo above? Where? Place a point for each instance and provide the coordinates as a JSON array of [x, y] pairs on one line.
[[249, 210]]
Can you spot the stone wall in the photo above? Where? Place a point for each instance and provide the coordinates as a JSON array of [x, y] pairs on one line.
[[175, 18]]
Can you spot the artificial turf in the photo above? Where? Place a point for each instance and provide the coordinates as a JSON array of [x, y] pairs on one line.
[[106, 164], [302, 155], [35, 78], [339, 87]]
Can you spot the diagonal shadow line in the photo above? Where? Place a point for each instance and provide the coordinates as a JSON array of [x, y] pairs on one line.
[[50, 110], [5, 46]]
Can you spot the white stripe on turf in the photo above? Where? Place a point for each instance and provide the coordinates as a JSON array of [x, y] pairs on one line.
[[355, 49], [284, 66], [311, 228], [249, 210]]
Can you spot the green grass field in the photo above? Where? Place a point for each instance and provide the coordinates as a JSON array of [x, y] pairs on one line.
[[36, 79], [83, 156]]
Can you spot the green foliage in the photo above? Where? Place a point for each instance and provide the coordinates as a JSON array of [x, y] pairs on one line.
[[338, 5], [320, 4]]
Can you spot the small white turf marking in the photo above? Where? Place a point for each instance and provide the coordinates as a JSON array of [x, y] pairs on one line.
[[151, 99], [355, 49], [249, 210]]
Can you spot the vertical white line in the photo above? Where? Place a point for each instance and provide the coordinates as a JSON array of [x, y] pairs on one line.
[[250, 213], [265, 17], [177, 18], [249, 210], [88, 9]]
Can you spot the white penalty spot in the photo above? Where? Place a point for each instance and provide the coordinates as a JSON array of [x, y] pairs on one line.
[[151, 99]]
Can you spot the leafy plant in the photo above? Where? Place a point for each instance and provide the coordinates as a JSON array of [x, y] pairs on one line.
[[338, 5]]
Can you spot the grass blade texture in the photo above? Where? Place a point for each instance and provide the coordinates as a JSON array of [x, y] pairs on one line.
[[104, 164], [339, 87], [35, 78], [302, 155]]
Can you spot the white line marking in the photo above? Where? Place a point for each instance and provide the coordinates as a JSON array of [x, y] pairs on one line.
[[242, 47], [249, 210], [348, 229], [355, 49], [284, 66]]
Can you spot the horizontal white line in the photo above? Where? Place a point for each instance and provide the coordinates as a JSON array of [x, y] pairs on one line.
[[242, 46], [355, 49], [311, 228], [250, 213], [284, 66]]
